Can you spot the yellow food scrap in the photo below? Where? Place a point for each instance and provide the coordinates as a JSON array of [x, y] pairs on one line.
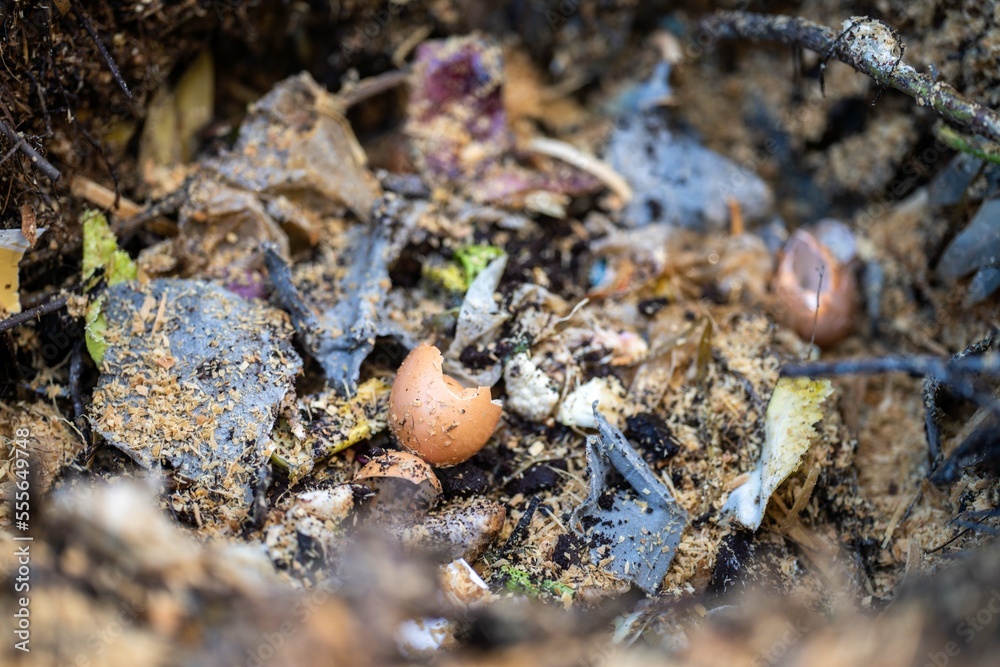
[[793, 411], [13, 245], [100, 251]]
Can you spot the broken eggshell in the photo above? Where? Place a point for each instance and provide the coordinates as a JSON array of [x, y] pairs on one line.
[[809, 279], [423, 638], [400, 478], [435, 417]]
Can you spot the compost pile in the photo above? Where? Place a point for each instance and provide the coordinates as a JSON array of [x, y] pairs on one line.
[[554, 333]]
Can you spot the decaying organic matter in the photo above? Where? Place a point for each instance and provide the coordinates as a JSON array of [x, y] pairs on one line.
[[308, 354]]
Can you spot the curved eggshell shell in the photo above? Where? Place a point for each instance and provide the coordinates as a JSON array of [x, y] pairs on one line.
[[391, 473], [433, 416], [798, 286]]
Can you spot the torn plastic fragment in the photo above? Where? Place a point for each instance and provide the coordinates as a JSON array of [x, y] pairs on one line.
[[479, 320], [296, 141], [794, 409], [640, 528], [220, 229], [339, 338], [976, 248], [193, 380], [680, 182]]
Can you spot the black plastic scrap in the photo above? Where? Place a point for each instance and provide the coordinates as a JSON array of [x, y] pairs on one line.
[[976, 248], [681, 182], [341, 337], [193, 378], [637, 528]]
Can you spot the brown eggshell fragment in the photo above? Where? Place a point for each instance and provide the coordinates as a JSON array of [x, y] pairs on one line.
[[400, 478], [800, 289], [435, 417]]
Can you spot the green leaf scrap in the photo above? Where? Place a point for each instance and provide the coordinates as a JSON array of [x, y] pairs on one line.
[[101, 252]]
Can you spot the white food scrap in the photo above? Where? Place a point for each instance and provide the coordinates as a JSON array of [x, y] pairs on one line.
[[577, 408], [530, 393]]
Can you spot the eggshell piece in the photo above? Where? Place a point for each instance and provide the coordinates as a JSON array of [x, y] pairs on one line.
[[808, 278], [435, 417], [400, 477]]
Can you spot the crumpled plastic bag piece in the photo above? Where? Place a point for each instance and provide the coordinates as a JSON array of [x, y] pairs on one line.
[[678, 180], [339, 338], [479, 321], [794, 409], [295, 141], [193, 379], [638, 527], [976, 248], [221, 227]]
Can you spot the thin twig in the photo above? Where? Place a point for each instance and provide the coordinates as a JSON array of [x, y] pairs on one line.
[[372, 86], [76, 388], [166, 206], [22, 317], [572, 155], [945, 370], [104, 198], [29, 151], [870, 47], [819, 293], [517, 535], [977, 146], [930, 393], [82, 17], [955, 373], [9, 154]]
